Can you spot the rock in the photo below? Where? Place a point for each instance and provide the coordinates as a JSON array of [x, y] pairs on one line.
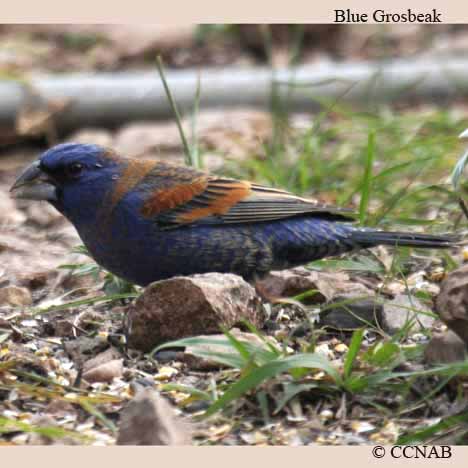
[[452, 302], [445, 348], [190, 306], [149, 419], [63, 328], [59, 408], [391, 316], [81, 349], [352, 315], [15, 296], [104, 367], [292, 282], [168, 355], [397, 312], [105, 372]]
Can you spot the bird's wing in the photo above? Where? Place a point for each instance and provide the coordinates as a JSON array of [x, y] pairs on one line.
[[215, 200]]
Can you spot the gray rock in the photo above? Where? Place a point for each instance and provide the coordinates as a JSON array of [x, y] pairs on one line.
[[150, 420], [83, 348], [391, 316], [445, 348], [104, 367], [452, 302], [352, 315], [328, 285], [397, 312]]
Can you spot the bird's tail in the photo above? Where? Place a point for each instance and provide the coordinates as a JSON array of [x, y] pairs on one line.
[[369, 238]]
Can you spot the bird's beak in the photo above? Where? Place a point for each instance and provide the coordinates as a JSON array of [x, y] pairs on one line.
[[34, 184]]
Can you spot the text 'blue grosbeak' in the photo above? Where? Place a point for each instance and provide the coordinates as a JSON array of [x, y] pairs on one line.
[[145, 220]]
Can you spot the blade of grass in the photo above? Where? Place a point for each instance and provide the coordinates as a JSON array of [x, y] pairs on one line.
[[458, 171], [354, 347], [367, 179], [195, 392], [195, 159], [51, 432], [269, 370], [291, 390], [423, 434], [238, 345], [81, 302], [91, 409], [254, 330], [172, 102]]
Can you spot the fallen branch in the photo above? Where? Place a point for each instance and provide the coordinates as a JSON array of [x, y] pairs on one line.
[[112, 99]]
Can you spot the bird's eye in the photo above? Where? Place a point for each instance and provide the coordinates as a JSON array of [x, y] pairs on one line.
[[74, 169]]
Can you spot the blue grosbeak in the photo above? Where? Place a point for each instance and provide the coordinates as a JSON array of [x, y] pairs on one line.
[[145, 220]]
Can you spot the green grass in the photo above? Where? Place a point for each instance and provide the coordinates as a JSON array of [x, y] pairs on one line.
[[365, 375], [393, 168]]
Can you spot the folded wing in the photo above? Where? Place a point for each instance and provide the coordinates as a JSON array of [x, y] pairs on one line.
[[215, 200]]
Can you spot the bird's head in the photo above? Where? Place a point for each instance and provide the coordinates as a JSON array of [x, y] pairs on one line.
[[73, 177]]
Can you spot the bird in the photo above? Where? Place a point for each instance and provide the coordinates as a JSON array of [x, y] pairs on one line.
[[146, 220]]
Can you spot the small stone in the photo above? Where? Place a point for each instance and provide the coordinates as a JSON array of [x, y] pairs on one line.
[[149, 419], [104, 367], [105, 372], [402, 309], [190, 306], [63, 328], [165, 373], [452, 302], [166, 356], [295, 281], [15, 296], [445, 348], [326, 415], [341, 348], [349, 314], [362, 426], [59, 408], [83, 348]]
